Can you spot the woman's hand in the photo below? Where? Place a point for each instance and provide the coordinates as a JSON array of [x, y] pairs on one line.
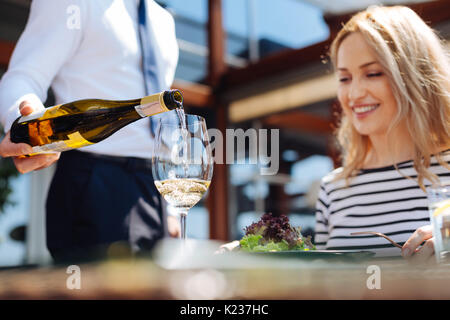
[[15, 150], [413, 252], [229, 246]]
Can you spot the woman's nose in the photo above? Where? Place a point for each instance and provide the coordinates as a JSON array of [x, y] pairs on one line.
[[356, 91]]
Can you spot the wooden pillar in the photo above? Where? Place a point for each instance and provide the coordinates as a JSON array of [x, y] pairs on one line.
[[218, 195], [216, 35]]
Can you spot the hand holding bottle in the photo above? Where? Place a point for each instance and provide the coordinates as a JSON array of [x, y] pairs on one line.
[[17, 150], [85, 122]]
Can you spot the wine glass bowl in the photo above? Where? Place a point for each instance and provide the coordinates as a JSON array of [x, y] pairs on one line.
[[182, 162]]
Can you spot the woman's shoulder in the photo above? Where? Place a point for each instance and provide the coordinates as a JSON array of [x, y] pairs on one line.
[[334, 177], [331, 176]]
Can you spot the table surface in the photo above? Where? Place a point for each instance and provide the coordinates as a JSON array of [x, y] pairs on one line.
[[195, 271]]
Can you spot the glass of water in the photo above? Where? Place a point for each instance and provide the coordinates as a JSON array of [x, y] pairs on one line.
[[439, 206]]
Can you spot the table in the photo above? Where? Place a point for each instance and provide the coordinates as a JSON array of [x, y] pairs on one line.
[[194, 271]]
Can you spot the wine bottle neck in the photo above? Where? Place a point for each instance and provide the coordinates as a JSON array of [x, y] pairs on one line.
[[173, 99]]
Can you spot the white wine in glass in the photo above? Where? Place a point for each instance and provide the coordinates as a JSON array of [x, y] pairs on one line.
[[182, 161]]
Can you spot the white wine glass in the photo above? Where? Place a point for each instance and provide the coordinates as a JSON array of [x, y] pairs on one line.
[[182, 162]]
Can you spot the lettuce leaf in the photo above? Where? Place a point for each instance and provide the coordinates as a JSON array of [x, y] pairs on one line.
[[274, 234], [249, 242], [252, 243]]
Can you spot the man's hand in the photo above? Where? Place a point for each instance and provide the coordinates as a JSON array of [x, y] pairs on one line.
[[411, 249], [174, 226], [14, 150]]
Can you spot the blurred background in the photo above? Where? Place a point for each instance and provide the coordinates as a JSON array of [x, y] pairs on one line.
[[258, 64]]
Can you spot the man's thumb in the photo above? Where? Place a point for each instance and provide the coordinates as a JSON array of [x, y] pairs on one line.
[[26, 108]]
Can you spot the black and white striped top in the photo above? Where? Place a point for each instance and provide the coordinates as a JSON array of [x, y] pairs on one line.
[[379, 200]]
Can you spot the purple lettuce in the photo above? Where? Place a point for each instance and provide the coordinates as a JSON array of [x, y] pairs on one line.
[[277, 229]]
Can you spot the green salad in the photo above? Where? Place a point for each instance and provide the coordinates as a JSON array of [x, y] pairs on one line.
[[274, 233]]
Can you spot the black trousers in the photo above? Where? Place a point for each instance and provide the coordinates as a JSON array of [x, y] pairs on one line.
[[97, 204]]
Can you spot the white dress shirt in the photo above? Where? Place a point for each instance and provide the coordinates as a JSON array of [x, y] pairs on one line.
[[88, 49]]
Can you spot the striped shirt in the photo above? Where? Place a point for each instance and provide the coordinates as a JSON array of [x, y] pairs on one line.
[[380, 200]]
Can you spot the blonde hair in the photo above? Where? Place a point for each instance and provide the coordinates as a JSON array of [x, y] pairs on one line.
[[417, 65]]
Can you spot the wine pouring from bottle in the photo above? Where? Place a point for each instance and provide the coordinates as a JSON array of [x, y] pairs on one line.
[[85, 122]]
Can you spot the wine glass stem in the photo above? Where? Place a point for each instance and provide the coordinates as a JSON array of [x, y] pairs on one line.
[[183, 216]]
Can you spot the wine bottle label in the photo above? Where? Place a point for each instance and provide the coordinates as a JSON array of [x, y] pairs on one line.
[[151, 105], [75, 140]]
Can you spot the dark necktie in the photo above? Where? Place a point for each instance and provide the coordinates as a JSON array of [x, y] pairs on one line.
[[153, 83]]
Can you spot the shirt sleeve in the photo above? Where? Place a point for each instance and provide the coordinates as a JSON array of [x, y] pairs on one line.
[[322, 213], [51, 36]]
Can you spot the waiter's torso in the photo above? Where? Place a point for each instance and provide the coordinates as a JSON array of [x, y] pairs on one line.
[[107, 65]]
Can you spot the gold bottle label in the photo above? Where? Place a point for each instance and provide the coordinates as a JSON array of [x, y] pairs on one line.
[[75, 140]]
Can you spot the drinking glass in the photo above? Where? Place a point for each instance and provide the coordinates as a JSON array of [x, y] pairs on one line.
[[182, 163], [439, 207]]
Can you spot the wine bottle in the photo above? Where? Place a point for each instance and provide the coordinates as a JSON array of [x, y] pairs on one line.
[[85, 122]]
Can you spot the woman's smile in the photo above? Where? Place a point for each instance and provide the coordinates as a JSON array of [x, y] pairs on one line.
[[363, 110]]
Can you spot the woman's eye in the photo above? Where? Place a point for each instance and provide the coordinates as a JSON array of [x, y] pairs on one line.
[[343, 79], [374, 74]]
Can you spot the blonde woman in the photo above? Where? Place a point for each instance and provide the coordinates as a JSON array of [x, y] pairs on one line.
[[394, 90]]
